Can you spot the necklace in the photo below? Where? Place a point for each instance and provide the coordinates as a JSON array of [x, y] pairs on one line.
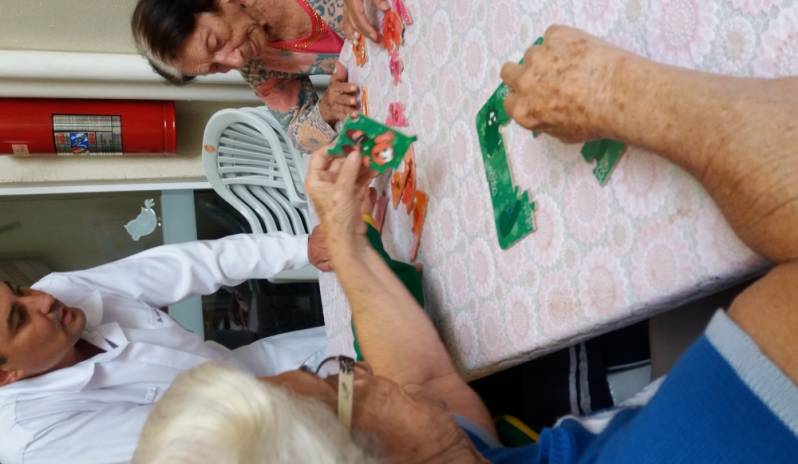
[[317, 28]]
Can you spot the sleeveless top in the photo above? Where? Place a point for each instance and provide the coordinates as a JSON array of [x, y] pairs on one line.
[[322, 39], [280, 76]]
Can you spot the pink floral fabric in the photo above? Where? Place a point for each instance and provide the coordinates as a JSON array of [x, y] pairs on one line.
[[601, 257]]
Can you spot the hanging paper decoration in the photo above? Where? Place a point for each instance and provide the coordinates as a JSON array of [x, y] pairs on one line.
[[419, 217], [364, 101], [402, 11], [360, 51], [396, 115], [392, 31], [397, 67]]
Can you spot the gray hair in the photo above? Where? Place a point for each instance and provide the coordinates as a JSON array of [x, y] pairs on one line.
[[217, 414]]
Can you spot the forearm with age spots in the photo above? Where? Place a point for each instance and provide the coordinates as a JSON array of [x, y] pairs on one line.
[[738, 136], [396, 335]]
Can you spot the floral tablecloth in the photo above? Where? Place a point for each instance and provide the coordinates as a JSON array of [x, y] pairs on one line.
[[601, 257]]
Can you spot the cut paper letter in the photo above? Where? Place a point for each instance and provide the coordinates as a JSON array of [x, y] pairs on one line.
[[513, 211]]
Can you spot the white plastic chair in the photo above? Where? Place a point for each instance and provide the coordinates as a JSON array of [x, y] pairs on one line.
[[252, 164]]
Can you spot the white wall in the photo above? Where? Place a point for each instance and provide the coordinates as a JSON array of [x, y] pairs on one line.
[[95, 26], [67, 25]]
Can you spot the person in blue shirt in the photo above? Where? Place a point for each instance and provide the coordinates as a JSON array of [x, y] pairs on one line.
[[731, 398]]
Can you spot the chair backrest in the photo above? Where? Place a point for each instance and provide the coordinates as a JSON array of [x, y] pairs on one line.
[[256, 169], [294, 156]]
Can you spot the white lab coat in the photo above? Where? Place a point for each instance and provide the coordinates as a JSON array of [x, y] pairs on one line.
[[93, 412]]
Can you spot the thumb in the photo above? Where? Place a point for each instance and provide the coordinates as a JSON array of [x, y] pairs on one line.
[[340, 73], [349, 171]]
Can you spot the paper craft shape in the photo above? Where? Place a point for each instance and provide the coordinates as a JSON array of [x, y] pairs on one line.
[[396, 115], [402, 11], [385, 147], [380, 208], [145, 223], [360, 50], [607, 153], [392, 31], [397, 67], [409, 190], [419, 218], [513, 211], [419, 211], [400, 175], [364, 100]]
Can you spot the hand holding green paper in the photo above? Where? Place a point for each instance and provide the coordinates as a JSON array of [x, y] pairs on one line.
[[385, 147], [513, 210]]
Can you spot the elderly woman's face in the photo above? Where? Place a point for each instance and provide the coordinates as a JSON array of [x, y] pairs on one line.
[[222, 40], [408, 423]]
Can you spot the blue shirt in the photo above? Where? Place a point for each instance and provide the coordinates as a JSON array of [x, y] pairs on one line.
[[723, 402]]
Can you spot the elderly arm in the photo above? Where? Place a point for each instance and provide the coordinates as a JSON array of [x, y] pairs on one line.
[[738, 136], [397, 337], [164, 275], [293, 100]]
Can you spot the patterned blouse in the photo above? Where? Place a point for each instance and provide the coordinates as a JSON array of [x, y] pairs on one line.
[[281, 75]]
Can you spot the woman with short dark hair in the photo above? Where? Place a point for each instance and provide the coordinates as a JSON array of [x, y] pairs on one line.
[[275, 44]]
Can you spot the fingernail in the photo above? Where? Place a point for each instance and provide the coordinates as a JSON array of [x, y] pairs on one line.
[[352, 101]]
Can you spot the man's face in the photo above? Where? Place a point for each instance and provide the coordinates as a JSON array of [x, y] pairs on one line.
[[37, 333]]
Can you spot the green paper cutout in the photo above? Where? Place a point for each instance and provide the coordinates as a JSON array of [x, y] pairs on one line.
[[512, 210], [607, 154], [591, 150], [365, 133]]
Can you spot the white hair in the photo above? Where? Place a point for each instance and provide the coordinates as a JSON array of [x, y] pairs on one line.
[[217, 414], [155, 60]]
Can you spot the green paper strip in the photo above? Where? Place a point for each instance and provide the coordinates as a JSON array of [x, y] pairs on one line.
[[371, 129], [512, 210], [607, 153]]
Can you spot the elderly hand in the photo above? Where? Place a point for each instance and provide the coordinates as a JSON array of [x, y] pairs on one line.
[[337, 187], [339, 100], [356, 22], [562, 86], [318, 253]]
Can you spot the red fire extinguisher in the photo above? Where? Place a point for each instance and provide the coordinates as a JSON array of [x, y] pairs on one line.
[[32, 127]]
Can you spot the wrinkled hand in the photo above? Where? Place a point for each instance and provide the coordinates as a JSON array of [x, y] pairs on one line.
[[339, 101], [356, 22], [562, 86], [318, 253], [338, 187]]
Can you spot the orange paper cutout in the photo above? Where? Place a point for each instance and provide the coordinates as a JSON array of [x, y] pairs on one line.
[[399, 177], [410, 187], [360, 51], [420, 202], [419, 211], [364, 101], [392, 30]]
